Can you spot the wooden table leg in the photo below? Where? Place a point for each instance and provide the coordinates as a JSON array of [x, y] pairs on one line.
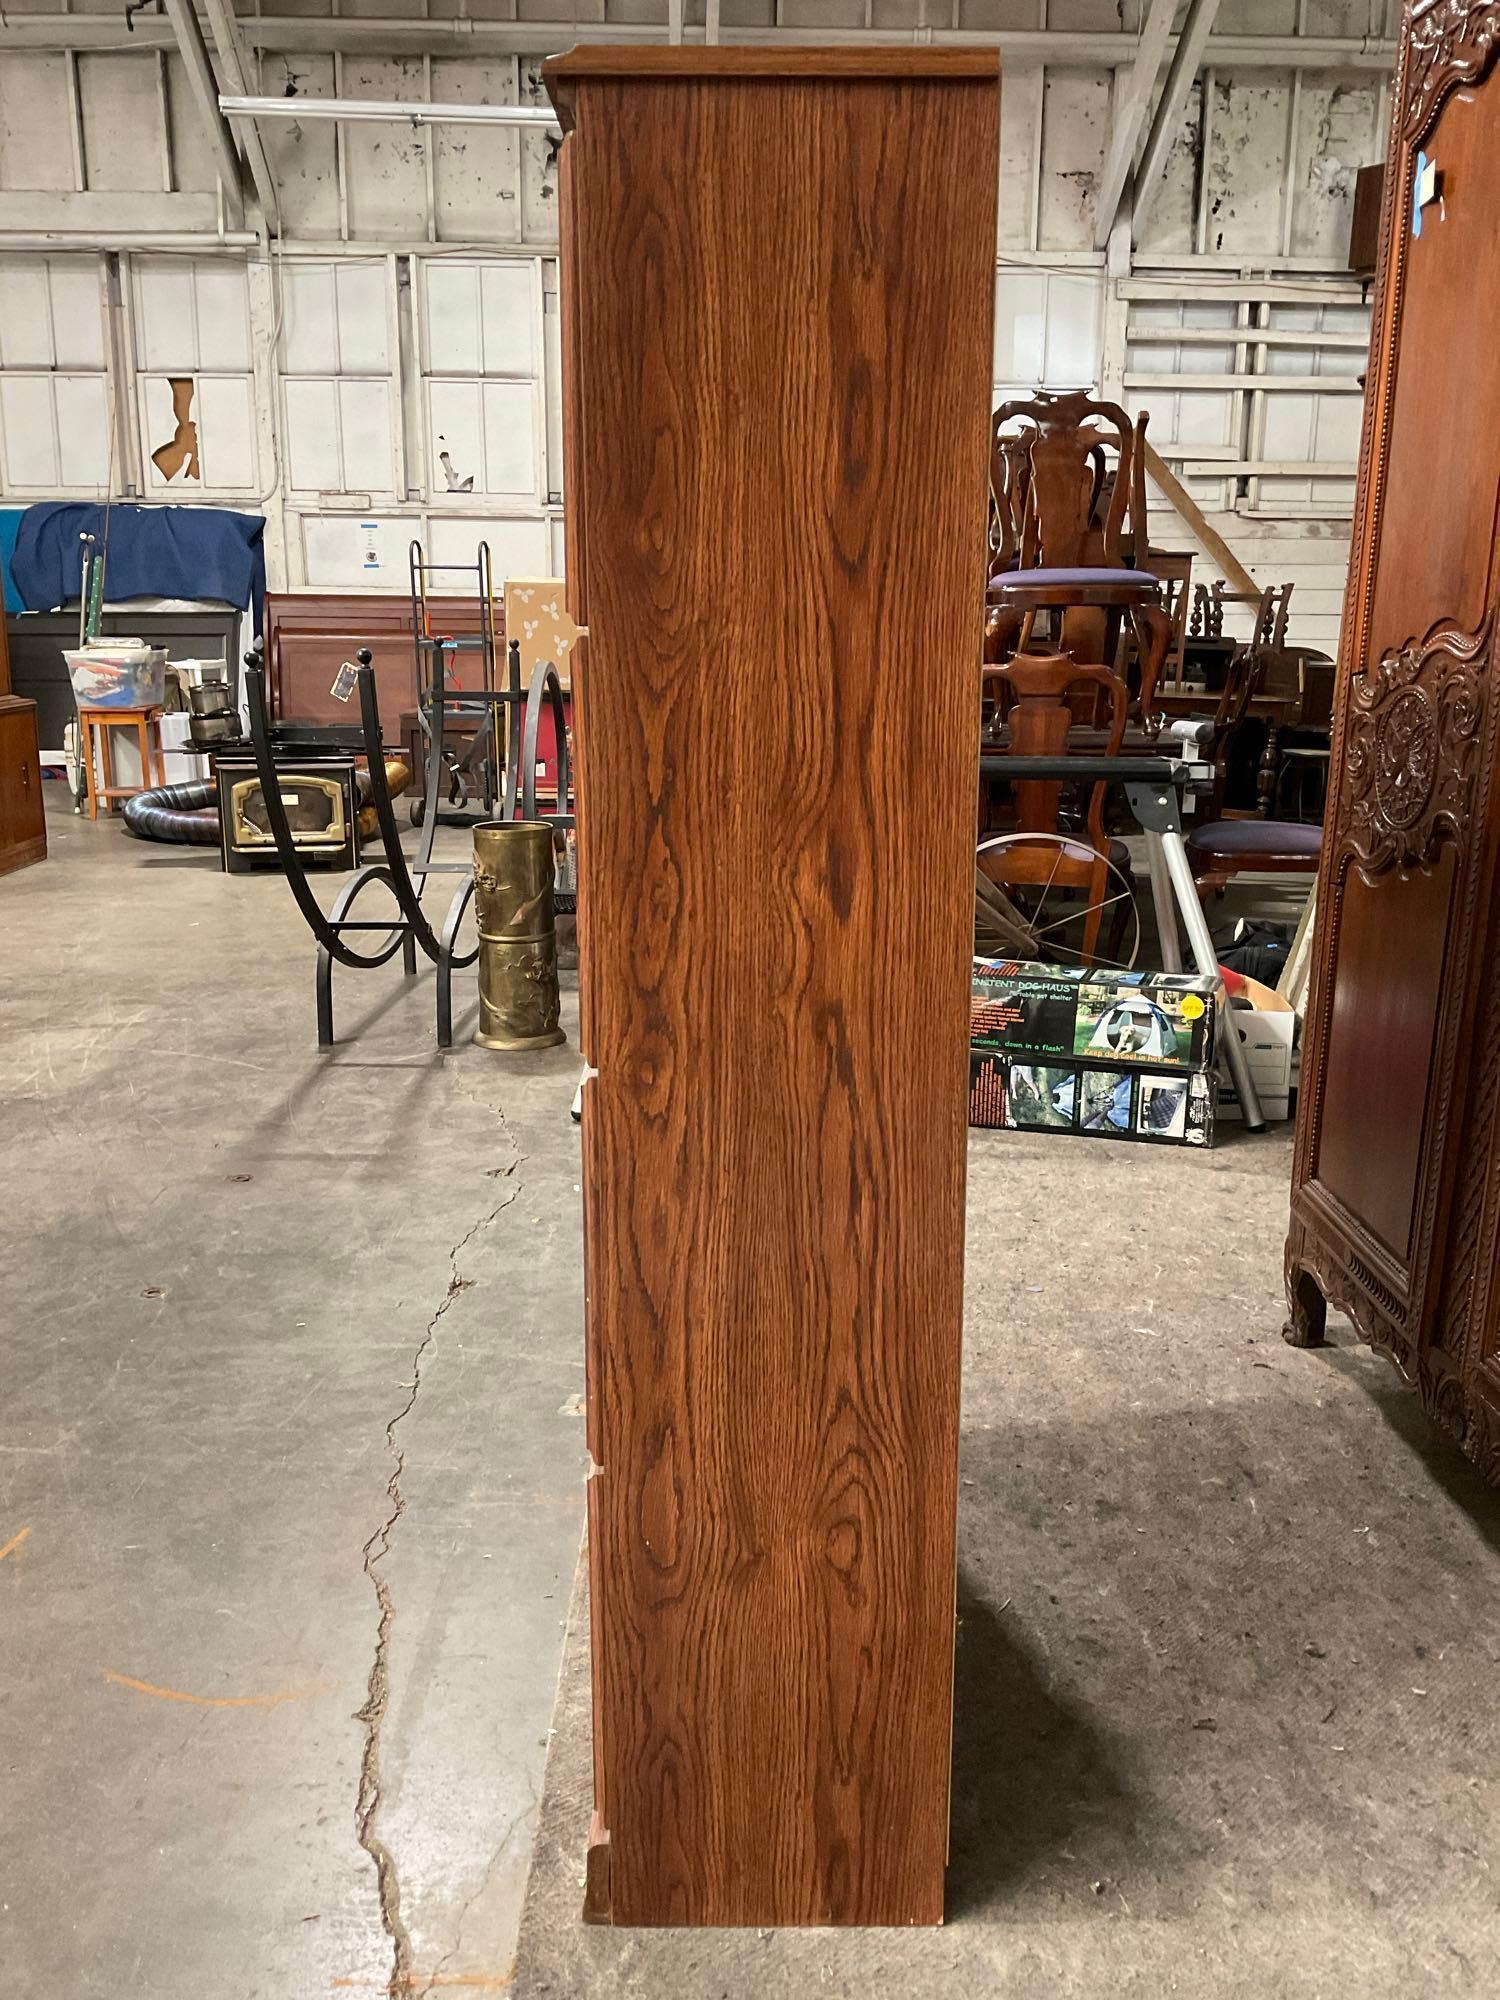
[[107, 763], [86, 751]]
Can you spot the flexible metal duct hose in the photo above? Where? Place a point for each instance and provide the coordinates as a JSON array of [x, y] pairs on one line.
[[189, 814], [176, 813], [397, 778]]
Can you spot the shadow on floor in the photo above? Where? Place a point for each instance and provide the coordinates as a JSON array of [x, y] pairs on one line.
[[1027, 1765], [1401, 1408]]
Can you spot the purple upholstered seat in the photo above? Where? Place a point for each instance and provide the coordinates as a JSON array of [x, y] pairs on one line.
[[1022, 579], [1268, 841]]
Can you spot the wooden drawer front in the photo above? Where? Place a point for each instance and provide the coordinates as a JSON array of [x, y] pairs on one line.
[[23, 819]]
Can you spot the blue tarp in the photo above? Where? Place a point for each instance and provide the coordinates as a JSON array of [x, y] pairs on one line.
[[10, 522], [192, 552]]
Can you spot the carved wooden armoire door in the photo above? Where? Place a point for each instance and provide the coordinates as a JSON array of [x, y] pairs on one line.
[[1394, 1187]]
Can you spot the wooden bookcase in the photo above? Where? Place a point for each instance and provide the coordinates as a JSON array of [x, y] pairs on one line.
[[1396, 1183], [778, 291]]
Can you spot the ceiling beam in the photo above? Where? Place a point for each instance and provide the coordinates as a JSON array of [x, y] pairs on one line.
[[1188, 54], [1132, 100], [234, 67], [1208, 538], [204, 86]]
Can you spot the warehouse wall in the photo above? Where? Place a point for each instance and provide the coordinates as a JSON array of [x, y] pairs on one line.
[[389, 365]]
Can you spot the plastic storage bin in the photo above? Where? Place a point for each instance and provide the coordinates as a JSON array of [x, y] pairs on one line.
[[119, 674]]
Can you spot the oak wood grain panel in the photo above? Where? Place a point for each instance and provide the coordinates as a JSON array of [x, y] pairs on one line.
[[780, 357], [701, 62]]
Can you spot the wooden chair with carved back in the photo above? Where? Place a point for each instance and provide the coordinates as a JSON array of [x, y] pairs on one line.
[[1038, 854], [1271, 606], [1218, 847], [1069, 519]]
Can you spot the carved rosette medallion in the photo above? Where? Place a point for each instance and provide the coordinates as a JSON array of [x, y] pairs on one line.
[[1452, 42], [1409, 766], [1405, 757]]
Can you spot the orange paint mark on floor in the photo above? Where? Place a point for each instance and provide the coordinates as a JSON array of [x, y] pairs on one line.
[[218, 1700], [15, 1542]]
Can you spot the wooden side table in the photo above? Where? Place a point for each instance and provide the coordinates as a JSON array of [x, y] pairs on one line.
[[95, 724]]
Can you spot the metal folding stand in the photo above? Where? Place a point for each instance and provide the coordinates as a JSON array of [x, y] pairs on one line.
[[1151, 787], [403, 932], [436, 653], [518, 799], [435, 699]]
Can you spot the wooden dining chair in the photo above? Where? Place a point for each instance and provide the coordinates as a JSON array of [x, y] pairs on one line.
[[1067, 475], [1220, 848], [1039, 854], [1270, 603]]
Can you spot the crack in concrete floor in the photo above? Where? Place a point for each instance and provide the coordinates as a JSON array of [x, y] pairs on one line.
[[377, 1692]]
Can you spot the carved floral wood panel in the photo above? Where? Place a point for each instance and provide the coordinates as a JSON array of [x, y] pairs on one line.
[[1415, 745], [1409, 750]]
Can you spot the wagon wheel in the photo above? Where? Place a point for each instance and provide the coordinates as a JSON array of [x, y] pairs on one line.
[[1058, 915]]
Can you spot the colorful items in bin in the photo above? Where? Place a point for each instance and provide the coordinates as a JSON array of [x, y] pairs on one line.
[[118, 673]]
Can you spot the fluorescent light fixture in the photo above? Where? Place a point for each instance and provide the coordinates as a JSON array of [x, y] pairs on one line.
[[372, 110]]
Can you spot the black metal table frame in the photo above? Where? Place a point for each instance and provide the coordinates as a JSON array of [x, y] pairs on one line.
[[409, 928], [403, 932]]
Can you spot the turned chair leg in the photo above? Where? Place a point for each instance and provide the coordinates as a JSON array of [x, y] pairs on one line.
[[1153, 637]]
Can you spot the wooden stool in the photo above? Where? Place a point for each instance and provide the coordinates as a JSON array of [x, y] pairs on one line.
[[148, 742]]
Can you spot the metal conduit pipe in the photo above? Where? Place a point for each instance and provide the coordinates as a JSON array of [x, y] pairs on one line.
[[95, 239]]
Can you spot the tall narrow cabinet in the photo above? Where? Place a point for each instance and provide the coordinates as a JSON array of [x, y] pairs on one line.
[[778, 292], [1396, 1189]]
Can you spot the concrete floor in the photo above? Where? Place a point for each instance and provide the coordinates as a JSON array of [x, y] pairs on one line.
[[290, 1473], [245, 1287], [1228, 1645]]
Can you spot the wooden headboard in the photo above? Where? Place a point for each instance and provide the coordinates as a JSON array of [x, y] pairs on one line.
[[309, 635]]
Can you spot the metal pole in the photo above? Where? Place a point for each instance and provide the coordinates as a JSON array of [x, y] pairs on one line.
[[1162, 903], [1207, 961], [386, 111]]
